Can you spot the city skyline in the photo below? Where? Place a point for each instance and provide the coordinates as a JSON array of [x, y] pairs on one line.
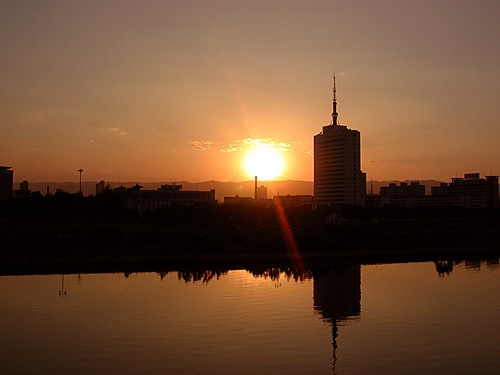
[[184, 90]]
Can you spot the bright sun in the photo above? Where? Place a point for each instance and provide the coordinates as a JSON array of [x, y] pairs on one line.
[[265, 163]]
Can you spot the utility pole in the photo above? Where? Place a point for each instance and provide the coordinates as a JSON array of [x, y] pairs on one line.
[[80, 170]]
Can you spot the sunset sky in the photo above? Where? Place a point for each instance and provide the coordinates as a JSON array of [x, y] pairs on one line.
[[183, 90]]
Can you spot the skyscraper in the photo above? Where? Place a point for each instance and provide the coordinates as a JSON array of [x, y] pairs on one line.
[[338, 179], [6, 176]]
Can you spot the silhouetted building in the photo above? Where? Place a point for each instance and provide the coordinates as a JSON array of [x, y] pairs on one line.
[[294, 200], [99, 187], [6, 182], [471, 191], [24, 186], [23, 191], [261, 192], [404, 195], [440, 194], [262, 202], [166, 196], [338, 179], [375, 200], [237, 199], [492, 198]]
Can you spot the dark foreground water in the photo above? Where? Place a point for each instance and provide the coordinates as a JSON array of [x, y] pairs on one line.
[[417, 318]]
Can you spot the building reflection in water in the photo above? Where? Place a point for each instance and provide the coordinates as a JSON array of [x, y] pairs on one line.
[[473, 265], [446, 267], [492, 264], [337, 297]]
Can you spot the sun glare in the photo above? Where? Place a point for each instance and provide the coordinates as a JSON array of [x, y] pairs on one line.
[[265, 163]]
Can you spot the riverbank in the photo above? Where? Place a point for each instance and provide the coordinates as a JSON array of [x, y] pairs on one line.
[[78, 246], [155, 263]]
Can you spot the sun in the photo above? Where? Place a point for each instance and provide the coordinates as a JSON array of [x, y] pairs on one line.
[[266, 163]]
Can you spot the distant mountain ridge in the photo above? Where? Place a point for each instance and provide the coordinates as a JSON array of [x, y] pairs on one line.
[[222, 189]]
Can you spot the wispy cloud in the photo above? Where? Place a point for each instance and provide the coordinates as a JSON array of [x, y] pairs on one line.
[[92, 141], [231, 148], [380, 162], [115, 130], [202, 145], [249, 144], [34, 116], [339, 74]]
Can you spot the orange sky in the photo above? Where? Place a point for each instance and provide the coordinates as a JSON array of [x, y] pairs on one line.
[[180, 90]]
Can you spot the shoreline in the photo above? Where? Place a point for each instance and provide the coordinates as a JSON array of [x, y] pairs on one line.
[[162, 263]]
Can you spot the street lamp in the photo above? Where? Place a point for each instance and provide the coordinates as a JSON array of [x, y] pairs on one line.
[[80, 170]]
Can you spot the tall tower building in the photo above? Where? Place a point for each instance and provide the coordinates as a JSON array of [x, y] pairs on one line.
[[6, 180], [338, 179]]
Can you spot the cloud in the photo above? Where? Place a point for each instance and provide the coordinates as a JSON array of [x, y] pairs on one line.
[[115, 130], [92, 141], [202, 145], [380, 162], [249, 144], [339, 74], [35, 116], [230, 148]]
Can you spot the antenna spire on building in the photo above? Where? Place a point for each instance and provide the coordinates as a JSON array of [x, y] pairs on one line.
[[335, 115]]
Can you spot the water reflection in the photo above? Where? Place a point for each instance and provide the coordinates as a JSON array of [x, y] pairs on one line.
[[492, 264], [337, 297], [342, 272], [336, 290], [62, 292], [203, 276], [275, 274], [473, 265], [445, 267], [150, 320], [346, 284]]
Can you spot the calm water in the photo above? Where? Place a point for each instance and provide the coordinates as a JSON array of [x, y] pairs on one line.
[[376, 319]]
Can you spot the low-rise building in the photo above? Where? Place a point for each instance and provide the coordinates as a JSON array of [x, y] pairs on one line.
[[471, 191], [24, 190], [166, 196], [261, 192], [237, 199], [404, 195], [99, 187], [375, 201], [293, 200]]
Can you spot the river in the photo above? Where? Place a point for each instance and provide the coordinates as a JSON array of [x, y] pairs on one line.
[[404, 318]]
